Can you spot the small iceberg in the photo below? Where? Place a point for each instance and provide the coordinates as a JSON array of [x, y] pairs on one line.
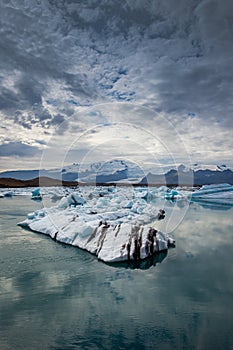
[[55, 196], [104, 226], [8, 194], [171, 194], [36, 195]]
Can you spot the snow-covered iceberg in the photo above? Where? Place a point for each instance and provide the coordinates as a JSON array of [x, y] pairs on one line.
[[112, 226]]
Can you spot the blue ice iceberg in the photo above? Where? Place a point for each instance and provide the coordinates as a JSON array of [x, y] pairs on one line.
[[36, 194]]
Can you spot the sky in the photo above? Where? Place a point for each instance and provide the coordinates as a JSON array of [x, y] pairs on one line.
[[149, 81]]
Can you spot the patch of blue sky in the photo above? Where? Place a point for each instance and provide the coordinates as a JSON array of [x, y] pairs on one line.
[[122, 71], [93, 114], [115, 79], [123, 96], [52, 102], [87, 103], [191, 114], [73, 102], [106, 86]]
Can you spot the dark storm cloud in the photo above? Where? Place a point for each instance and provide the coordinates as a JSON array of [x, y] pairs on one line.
[[8, 99], [30, 89], [175, 57], [17, 149], [198, 90]]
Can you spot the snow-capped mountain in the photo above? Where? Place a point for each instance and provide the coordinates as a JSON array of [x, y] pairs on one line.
[[101, 172], [128, 172], [196, 167]]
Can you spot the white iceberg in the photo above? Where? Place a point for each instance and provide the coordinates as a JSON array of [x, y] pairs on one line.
[[113, 227]]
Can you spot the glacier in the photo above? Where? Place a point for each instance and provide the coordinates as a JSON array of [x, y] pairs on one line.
[[107, 222]]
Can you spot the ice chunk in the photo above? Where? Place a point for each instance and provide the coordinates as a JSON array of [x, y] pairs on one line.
[[55, 196], [77, 199], [31, 216], [8, 194], [171, 194], [72, 199], [127, 204], [64, 203], [174, 192], [36, 194]]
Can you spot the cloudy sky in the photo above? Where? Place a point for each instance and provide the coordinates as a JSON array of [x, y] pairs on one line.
[[150, 81]]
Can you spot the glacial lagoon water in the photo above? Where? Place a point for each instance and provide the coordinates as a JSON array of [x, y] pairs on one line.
[[54, 296]]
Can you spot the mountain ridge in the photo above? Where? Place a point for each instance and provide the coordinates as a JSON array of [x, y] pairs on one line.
[[117, 171], [182, 176]]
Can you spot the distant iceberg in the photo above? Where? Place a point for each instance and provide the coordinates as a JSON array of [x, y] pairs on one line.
[[220, 194], [8, 194], [108, 224]]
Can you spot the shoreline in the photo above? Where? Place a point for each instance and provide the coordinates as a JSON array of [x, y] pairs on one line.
[[50, 182]]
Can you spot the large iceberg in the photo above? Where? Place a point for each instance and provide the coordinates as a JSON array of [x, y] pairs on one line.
[[106, 223], [220, 194]]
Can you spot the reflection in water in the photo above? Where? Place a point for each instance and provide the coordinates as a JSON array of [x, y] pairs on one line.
[[141, 264], [210, 204], [59, 297]]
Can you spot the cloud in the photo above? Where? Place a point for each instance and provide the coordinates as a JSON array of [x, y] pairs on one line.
[[18, 149], [59, 57]]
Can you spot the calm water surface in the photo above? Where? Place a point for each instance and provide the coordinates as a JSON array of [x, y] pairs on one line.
[[54, 296]]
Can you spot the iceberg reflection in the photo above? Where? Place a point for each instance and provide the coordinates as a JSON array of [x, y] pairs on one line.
[[141, 264]]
